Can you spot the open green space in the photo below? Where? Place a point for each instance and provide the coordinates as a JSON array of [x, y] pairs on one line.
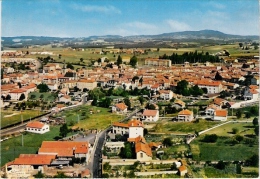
[[184, 127], [50, 97], [12, 148], [9, 117], [226, 147], [90, 117]]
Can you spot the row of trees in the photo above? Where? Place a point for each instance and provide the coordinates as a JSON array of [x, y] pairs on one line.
[[191, 57], [183, 89]]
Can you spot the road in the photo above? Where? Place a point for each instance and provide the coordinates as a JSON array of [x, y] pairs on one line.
[[95, 164]]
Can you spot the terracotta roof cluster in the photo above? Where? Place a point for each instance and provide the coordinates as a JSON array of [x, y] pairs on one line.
[[63, 148], [221, 113], [121, 106], [137, 139], [144, 148], [131, 123], [185, 112], [35, 124], [148, 112], [32, 159], [207, 83]]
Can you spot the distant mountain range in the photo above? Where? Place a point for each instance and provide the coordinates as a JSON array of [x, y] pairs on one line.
[[185, 35]]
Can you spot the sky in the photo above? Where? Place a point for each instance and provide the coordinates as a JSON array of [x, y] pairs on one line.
[[83, 18]]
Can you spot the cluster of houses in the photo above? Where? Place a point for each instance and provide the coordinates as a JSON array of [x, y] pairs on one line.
[[51, 154]]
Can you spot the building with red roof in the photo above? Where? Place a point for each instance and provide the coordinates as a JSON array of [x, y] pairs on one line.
[[133, 128], [37, 127], [185, 115], [220, 115], [119, 108], [150, 115]]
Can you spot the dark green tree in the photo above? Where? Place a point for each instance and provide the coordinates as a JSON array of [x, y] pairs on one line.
[[127, 102], [221, 165], [255, 121], [141, 99], [239, 114], [167, 141], [64, 130], [106, 102], [133, 61], [69, 65], [181, 87], [119, 60], [256, 130], [39, 175], [43, 88], [22, 97], [211, 138], [81, 60], [218, 77]]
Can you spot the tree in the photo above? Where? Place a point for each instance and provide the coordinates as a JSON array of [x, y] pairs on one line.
[[39, 175], [218, 77], [22, 97], [248, 115], [127, 151], [127, 102], [256, 130], [150, 106], [119, 60], [211, 138], [8, 97], [64, 130], [107, 166], [106, 102], [221, 165], [181, 87], [239, 138], [133, 61], [141, 99], [70, 66], [43, 88], [19, 84], [167, 142], [253, 161], [60, 175], [235, 130], [81, 59], [255, 121], [240, 44], [239, 114], [145, 131]]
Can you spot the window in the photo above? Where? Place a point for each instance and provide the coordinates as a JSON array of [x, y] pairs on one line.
[[141, 155]]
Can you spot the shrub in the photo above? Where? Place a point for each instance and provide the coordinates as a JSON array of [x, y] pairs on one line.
[[210, 138]]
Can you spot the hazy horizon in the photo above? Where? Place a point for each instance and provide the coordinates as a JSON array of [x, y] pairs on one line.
[[70, 18]]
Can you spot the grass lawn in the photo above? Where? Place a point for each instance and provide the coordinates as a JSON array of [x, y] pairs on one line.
[[99, 119], [187, 127], [12, 147], [222, 149], [226, 130], [7, 118]]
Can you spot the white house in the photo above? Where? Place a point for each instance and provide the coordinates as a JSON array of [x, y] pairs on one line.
[[119, 108], [166, 94], [212, 86], [150, 115], [65, 98], [250, 94], [37, 127], [16, 94], [133, 128], [143, 151], [220, 115], [185, 115]]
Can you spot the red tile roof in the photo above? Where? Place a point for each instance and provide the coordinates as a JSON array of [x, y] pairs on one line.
[[32, 159], [35, 124], [182, 168], [135, 123], [121, 106], [222, 113], [144, 148], [185, 112], [148, 112]]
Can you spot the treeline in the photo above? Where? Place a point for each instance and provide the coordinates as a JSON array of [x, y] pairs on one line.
[[191, 57]]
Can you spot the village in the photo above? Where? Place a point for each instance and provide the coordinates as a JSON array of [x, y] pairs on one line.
[[145, 106]]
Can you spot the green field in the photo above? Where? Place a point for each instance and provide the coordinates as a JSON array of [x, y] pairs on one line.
[[12, 148], [223, 149], [9, 117], [185, 127], [100, 118]]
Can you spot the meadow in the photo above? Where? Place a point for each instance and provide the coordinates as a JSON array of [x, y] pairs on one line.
[[9, 116], [224, 149], [90, 117], [12, 148]]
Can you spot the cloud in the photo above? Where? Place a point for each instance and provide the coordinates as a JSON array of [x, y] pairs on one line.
[[100, 9], [177, 26], [141, 25]]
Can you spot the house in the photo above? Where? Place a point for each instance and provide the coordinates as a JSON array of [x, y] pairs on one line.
[[37, 127], [150, 115], [65, 150], [133, 128], [85, 174], [65, 99], [27, 165], [182, 170], [119, 108], [211, 86], [155, 145], [166, 94], [220, 115], [250, 94], [89, 84], [178, 104], [185, 115], [143, 151], [158, 62], [16, 94]]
